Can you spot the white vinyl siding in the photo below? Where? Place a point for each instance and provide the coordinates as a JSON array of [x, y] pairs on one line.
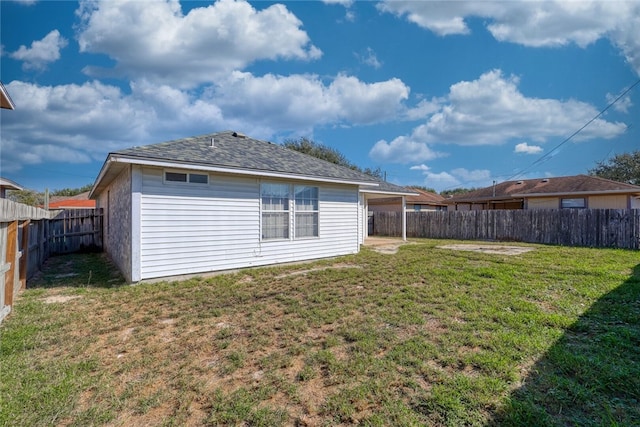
[[198, 229]]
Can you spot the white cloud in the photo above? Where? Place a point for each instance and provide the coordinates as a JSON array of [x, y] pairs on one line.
[[422, 167], [533, 23], [491, 111], [26, 2], [402, 150], [93, 119], [622, 105], [440, 181], [368, 57], [459, 177], [155, 40], [304, 101], [42, 52], [345, 3], [423, 110], [525, 148]]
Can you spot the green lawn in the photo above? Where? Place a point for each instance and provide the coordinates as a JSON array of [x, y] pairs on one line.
[[426, 336]]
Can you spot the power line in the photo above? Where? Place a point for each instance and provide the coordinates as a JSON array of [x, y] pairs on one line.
[[546, 155]]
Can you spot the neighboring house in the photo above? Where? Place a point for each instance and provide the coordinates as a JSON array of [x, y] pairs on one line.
[[7, 184], [224, 201], [5, 99], [580, 191], [79, 201], [421, 201]]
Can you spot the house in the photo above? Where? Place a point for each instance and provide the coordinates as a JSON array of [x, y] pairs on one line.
[[79, 201], [580, 191], [5, 100], [421, 201], [7, 184], [225, 201]]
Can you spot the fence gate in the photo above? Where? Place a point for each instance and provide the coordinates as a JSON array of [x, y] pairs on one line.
[[76, 230]]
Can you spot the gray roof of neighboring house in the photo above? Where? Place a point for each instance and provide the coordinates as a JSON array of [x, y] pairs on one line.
[[578, 184], [420, 197], [236, 152]]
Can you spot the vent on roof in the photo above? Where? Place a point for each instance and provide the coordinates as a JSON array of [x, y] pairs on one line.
[[213, 143], [239, 135], [519, 182], [545, 180]]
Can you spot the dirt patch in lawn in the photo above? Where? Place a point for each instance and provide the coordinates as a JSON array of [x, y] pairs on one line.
[[488, 249], [59, 299], [311, 270], [387, 246]]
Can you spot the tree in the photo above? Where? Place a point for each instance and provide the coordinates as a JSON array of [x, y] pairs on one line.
[[26, 197], [68, 192], [456, 191], [320, 151], [423, 188], [36, 198], [622, 167]]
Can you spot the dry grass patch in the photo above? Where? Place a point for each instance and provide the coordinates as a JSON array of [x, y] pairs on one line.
[[427, 336]]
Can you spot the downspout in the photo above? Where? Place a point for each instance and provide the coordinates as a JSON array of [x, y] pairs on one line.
[[404, 218]]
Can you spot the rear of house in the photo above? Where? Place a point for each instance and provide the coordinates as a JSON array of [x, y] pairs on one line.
[[225, 201]]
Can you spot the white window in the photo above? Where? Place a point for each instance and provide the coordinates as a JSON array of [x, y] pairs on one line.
[[306, 211], [275, 211], [277, 206], [573, 203], [192, 178]]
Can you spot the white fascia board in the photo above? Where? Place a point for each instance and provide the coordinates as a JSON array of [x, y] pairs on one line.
[[191, 166], [7, 97], [103, 171], [577, 193]]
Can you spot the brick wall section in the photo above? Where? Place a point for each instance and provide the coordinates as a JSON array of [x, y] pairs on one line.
[[116, 202]]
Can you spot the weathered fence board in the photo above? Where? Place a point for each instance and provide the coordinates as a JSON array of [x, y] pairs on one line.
[[75, 230], [603, 228], [29, 235]]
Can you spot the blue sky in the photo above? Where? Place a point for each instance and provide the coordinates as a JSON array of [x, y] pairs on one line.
[[440, 94]]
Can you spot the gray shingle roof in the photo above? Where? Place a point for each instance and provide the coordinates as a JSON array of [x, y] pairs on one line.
[[236, 151]]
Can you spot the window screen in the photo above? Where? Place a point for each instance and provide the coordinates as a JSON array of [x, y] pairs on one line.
[[275, 211]]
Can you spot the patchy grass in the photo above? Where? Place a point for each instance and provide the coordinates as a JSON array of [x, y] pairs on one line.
[[426, 336]]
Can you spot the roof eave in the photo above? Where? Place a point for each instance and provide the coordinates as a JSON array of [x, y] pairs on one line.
[[579, 193], [485, 200], [120, 159], [5, 99]]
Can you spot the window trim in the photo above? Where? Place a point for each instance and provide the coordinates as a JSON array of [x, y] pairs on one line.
[[286, 211], [188, 176], [291, 211], [571, 200], [302, 211]]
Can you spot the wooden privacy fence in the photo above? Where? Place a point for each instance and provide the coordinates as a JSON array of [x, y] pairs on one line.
[[29, 235], [75, 230], [601, 228]]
